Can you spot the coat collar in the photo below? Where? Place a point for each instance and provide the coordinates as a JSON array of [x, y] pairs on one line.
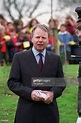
[[34, 66]]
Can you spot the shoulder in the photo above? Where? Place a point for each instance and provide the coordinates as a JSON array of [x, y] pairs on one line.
[[53, 55], [68, 33], [23, 53], [54, 58]]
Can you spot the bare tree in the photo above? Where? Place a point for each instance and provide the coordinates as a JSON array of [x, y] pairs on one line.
[[20, 7]]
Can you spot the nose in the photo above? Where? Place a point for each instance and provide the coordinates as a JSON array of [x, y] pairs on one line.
[[40, 39]]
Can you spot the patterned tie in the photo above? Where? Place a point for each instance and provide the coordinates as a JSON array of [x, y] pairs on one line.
[[40, 61]]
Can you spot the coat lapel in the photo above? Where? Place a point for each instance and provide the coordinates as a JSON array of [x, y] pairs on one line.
[[31, 61]]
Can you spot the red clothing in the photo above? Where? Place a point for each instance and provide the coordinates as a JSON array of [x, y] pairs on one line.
[[71, 29], [15, 40], [17, 47], [7, 32], [3, 45], [51, 40]]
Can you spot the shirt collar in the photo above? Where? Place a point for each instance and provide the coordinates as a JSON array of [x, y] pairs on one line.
[[62, 33], [36, 52]]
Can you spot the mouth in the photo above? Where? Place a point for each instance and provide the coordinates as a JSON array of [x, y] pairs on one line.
[[40, 45]]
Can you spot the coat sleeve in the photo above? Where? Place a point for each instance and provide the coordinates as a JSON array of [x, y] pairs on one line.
[[61, 83], [14, 82]]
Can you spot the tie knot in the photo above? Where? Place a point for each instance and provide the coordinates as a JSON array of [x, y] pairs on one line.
[[40, 54]]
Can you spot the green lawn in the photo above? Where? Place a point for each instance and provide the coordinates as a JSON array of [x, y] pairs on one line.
[[67, 102]]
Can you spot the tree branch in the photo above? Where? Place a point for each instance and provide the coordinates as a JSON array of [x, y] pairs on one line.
[[35, 7], [7, 7], [18, 10]]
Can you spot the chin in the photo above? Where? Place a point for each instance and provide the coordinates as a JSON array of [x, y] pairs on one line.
[[40, 50]]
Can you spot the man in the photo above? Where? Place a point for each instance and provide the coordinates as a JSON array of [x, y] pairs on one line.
[[79, 90], [36, 104], [78, 11], [79, 94]]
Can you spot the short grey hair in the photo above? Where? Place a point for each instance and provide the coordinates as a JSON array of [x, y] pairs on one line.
[[41, 26]]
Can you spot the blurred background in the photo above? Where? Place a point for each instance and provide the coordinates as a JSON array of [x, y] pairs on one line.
[[39, 9]]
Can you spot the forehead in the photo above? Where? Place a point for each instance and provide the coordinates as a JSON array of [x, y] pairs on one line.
[[39, 31]]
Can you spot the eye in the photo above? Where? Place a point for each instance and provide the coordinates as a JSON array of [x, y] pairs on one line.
[[37, 37], [43, 37]]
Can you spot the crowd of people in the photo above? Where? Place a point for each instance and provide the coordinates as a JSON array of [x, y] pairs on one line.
[[15, 37]]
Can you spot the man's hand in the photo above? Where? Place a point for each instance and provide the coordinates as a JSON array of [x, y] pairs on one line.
[[49, 97], [45, 96], [36, 95]]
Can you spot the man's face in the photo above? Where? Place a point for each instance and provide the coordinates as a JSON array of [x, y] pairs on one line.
[[40, 39]]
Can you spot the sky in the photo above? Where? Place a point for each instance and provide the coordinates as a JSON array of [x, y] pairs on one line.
[[45, 6]]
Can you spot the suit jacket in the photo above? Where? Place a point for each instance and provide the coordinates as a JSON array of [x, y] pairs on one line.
[[24, 67]]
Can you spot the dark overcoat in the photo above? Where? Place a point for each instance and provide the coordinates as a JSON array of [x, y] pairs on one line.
[[24, 68]]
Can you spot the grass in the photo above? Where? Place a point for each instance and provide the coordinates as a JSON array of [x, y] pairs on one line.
[[67, 103], [8, 100]]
